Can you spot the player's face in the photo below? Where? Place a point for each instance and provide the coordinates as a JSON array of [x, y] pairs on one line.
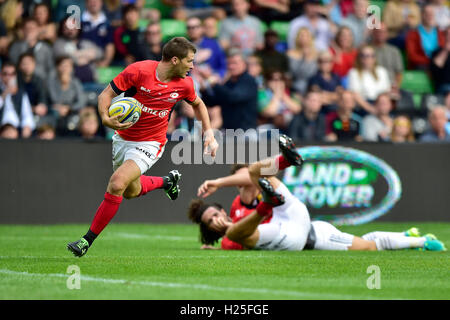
[[186, 65], [216, 220]]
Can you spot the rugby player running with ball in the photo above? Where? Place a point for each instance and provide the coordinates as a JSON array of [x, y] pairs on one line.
[[157, 85]]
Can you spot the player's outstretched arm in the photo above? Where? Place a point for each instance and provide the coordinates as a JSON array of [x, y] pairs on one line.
[[245, 231], [240, 178], [201, 113], [104, 101]]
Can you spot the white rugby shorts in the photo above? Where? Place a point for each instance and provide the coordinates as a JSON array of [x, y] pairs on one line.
[[144, 153], [330, 238], [289, 227]]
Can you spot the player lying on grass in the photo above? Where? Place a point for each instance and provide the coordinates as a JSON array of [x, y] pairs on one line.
[[280, 221]]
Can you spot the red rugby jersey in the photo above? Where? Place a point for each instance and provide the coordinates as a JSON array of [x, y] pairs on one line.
[[139, 81], [237, 212]]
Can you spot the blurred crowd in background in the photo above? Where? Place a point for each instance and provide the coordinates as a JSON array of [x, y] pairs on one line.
[[330, 70]]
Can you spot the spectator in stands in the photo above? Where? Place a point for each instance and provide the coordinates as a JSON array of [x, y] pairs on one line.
[[96, 28], [83, 52], [447, 105], [113, 12], [16, 115], [309, 125], [400, 16], [440, 66], [184, 10], [31, 43], [402, 130], [60, 10], [387, 55], [11, 15], [422, 41], [269, 10], [241, 30], [238, 96], [318, 26], [378, 127], [210, 27], [46, 132], [275, 103], [367, 80], [325, 80], [437, 119], [4, 41], [153, 43], [344, 124], [357, 22], [47, 28], [127, 37], [344, 51], [442, 14], [89, 125], [66, 95], [332, 11], [33, 85], [271, 58], [255, 69], [209, 53], [302, 60]]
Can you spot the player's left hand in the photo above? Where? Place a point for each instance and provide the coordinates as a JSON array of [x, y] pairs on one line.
[[207, 188], [210, 145]]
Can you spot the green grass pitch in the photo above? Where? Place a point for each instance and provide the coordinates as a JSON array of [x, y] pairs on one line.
[[143, 261]]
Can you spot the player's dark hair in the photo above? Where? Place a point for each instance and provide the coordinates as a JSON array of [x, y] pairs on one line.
[[236, 167], [26, 55], [195, 212], [62, 58], [8, 63], [127, 8], [177, 47]]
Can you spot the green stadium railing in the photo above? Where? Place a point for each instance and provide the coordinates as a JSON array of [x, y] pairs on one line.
[[172, 28], [281, 27], [417, 81], [380, 3], [106, 74]]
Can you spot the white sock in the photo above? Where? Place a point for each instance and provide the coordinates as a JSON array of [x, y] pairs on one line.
[[379, 234], [389, 242]]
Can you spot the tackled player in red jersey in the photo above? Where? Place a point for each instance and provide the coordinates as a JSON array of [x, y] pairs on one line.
[[157, 86]]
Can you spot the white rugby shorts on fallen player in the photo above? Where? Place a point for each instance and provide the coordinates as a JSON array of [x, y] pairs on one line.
[[330, 238], [144, 153], [289, 227]]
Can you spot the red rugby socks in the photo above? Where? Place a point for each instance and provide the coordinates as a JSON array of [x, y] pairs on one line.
[[150, 183], [105, 212], [282, 163]]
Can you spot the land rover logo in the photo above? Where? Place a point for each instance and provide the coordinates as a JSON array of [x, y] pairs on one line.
[[342, 185]]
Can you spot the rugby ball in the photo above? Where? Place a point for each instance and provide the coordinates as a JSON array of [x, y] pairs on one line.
[[129, 107]]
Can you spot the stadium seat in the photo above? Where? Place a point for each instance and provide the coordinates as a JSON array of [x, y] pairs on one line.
[[416, 82], [281, 27], [106, 74], [264, 26], [172, 28], [379, 3], [158, 5]]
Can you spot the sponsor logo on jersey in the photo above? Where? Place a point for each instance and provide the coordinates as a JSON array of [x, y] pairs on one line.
[[163, 113], [145, 89], [159, 113], [174, 95]]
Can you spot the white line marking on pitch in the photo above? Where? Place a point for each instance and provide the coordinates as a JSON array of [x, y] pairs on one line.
[[187, 285]]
